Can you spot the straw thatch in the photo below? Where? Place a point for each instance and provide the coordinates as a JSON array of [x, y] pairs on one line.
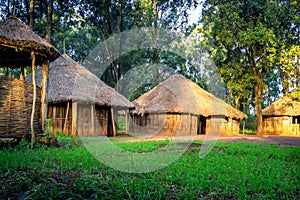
[[70, 81], [282, 117], [285, 106], [180, 95], [179, 106], [17, 41], [79, 102]]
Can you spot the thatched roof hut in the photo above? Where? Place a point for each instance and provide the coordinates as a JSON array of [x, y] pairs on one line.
[[17, 41], [180, 96], [70, 82], [282, 117], [20, 47]]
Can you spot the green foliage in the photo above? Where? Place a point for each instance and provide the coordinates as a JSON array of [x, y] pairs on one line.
[[295, 94], [250, 123], [245, 39], [121, 123], [48, 132]]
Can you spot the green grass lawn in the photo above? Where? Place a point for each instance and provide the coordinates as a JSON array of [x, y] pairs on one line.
[[229, 171]]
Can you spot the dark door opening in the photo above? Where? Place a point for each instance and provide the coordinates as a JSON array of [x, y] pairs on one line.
[[201, 125]]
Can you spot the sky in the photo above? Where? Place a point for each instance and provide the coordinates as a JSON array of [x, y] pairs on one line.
[[195, 14]]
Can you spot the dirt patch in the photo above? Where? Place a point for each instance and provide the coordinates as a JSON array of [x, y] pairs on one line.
[[192, 145], [281, 140]]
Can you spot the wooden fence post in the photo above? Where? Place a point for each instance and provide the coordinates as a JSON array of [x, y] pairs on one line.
[[74, 121]]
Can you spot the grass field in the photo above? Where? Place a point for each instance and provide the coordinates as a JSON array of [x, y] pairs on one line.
[[229, 171]]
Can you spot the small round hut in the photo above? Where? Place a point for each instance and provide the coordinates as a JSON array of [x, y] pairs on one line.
[[21, 103], [282, 117], [179, 106], [79, 102]]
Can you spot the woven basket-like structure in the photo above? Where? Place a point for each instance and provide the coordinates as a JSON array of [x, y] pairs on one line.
[[16, 98]]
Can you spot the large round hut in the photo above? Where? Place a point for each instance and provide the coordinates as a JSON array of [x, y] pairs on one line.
[[179, 106], [282, 117], [79, 102], [20, 112]]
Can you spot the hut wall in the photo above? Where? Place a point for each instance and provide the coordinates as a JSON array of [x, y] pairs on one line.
[[164, 123], [92, 120], [57, 114], [281, 125], [222, 126], [215, 126], [16, 97], [175, 123]]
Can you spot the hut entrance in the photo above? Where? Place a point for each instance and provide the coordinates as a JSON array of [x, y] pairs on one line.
[[201, 125], [296, 125]]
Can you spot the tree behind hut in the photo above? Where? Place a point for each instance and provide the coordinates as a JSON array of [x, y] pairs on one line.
[[246, 37]]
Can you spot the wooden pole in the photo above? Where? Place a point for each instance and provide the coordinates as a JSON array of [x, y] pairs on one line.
[[244, 121], [74, 121], [54, 122], [45, 71], [127, 122], [22, 73], [66, 118], [296, 123], [92, 120], [113, 122], [33, 101]]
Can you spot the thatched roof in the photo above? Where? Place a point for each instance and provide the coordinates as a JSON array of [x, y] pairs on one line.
[[70, 81], [17, 41], [285, 106], [180, 95]]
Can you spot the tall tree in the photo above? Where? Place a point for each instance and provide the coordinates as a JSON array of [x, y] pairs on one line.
[[244, 37], [31, 14], [49, 20]]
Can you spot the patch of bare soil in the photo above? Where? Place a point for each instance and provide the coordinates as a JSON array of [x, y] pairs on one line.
[[281, 140]]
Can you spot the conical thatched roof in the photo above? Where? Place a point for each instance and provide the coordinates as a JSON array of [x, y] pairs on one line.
[[180, 95], [17, 41], [285, 106], [70, 81]]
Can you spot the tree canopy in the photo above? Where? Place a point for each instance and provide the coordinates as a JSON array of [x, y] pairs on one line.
[[254, 44], [247, 39]]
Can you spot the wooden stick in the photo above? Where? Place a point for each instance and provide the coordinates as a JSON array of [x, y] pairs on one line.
[[66, 118], [92, 118], [113, 122], [34, 100], [45, 69], [127, 122], [74, 121]]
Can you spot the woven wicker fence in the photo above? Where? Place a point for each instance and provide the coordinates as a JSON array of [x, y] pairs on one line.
[[16, 98]]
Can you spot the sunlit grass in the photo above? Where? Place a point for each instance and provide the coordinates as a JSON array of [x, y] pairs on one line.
[[229, 171]]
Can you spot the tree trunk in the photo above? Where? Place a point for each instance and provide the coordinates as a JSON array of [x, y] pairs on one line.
[[258, 101], [34, 100], [49, 20], [284, 81], [14, 8], [155, 57], [31, 19], [8, 9], [45, 70]]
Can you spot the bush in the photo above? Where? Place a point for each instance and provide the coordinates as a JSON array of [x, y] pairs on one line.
[[250, 123]]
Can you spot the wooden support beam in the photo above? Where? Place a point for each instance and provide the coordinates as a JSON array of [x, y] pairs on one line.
[[127, 122], [34, 100], [113, 122], [45, 71], [92, 120], [74, 121], [66, 118]]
